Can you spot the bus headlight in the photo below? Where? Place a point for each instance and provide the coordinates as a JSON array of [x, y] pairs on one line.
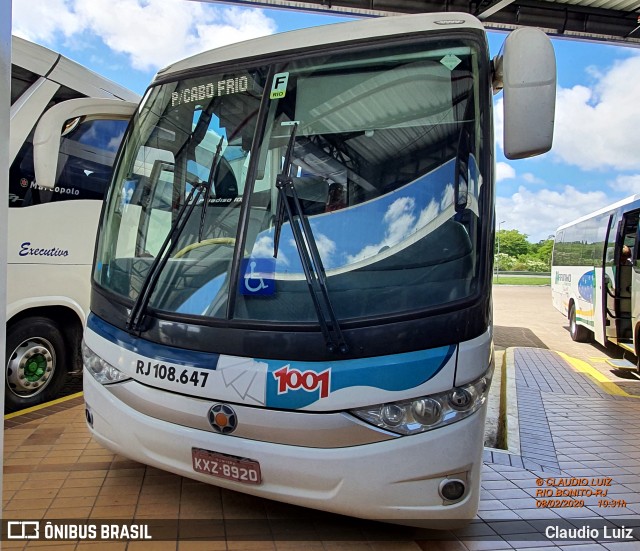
[[102, 371], [428, 412]]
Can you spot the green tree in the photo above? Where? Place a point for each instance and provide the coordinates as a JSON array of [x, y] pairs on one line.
[[504, 262], [529, 263], [544, 251], [512, 243]]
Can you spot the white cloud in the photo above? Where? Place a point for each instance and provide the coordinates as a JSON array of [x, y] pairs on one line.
[[428, 214], [263, 248], [326, 249], [504, 171], [628, 184], [598, 128], [401, 221], [41, 21], [539, 213], [152, 33], [532, 178], [446, 199]]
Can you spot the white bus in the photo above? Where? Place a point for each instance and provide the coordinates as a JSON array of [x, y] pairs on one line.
[[292, 283], [595, 275], [52, 229]]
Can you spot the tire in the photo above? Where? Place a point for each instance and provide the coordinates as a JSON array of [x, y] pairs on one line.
[[36, 363], [579, 333]]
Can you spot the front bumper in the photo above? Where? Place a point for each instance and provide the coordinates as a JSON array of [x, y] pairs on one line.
[[394, 480]]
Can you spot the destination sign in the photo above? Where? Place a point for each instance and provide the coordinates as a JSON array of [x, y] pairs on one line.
[[209, 90]]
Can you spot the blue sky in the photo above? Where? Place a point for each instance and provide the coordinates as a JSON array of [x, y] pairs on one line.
[[595, 160]]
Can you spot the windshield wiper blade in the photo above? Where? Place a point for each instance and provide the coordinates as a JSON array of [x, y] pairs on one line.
[[207, 191], [281, 180], [311, 261], [139, 308], [312, 265]]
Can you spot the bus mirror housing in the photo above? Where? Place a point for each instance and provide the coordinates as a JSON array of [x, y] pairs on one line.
[[525, 69], [61, 119]]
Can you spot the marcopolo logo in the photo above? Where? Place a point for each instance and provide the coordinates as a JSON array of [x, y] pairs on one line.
[[57, 189]]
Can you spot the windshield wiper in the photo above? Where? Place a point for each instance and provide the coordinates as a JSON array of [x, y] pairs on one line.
[[139, 308], [207, 191], [281, 181], [307, 247]]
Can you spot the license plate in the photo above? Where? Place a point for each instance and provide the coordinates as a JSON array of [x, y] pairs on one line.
[[239, 469]]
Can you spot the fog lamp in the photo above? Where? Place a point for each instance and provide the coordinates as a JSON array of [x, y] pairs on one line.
[[452, 490]]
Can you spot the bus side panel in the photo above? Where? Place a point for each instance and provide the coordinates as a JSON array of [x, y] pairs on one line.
[[560, 289], [575, 284], [35, 286], [59, 233], [50, 253]]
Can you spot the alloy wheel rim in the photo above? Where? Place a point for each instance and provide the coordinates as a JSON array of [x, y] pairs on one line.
[[30, 367]]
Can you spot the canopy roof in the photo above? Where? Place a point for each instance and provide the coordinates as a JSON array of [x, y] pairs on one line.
[[615, 21]]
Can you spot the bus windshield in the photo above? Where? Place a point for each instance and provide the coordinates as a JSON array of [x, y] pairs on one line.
[[384, 166]]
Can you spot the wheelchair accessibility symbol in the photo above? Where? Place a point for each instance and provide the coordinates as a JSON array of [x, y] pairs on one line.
[[258, 276]]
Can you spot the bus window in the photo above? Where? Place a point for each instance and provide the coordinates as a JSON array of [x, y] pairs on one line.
[[21, 172], [86, 157], [85, 163]]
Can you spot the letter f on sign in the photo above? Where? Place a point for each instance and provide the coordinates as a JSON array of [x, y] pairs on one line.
[[279, 86]]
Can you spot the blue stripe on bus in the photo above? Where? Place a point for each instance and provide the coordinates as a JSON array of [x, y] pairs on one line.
[[160, 352], [396, 372]]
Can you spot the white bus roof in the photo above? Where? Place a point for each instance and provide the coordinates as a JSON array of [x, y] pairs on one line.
[[325, 34], [44, 62], [603, 210]]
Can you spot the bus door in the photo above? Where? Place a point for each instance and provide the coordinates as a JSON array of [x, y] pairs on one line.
[[635, 282], [618, 275]]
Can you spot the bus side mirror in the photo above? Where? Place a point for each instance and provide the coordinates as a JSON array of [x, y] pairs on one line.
[[525, 69]]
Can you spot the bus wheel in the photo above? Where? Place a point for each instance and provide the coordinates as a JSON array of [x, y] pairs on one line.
[[36, 359], [579, 333]]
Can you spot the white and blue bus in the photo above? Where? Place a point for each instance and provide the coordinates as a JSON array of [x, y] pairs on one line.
[[595, 275], [56, 187], [292, 280]]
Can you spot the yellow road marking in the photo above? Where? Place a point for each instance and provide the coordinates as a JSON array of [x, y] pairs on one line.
[[601, 380], [42, 406]]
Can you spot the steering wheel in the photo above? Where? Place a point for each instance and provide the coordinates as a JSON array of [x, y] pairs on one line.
[[230, 241]]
